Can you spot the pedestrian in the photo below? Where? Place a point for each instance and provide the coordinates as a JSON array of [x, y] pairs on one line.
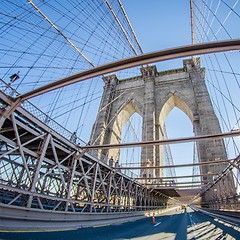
[[73, 138], [111, 161]]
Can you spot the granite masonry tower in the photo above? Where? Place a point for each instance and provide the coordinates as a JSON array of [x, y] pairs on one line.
[[153, 95]]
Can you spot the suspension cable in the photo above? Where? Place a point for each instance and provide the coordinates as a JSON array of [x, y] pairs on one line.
[[60, 32], [120, 25], [129, 24]]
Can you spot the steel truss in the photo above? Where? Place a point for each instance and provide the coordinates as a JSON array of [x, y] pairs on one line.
[[41, 169], [216, 194]]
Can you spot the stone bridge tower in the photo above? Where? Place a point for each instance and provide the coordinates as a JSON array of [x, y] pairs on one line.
[[153, 95]]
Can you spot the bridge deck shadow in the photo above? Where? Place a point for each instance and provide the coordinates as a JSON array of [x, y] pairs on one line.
[[175, 226]]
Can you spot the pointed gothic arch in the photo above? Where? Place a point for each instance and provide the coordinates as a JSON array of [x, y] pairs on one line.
[[175, 100], [172, 102], [119, 122]]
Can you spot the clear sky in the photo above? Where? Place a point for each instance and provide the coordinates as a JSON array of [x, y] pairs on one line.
[[160, 24]]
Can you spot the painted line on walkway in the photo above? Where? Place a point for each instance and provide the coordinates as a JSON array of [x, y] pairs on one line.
[[157, 224], [103, 225]]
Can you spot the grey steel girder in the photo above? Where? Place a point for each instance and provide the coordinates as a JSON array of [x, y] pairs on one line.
[[42, 169]]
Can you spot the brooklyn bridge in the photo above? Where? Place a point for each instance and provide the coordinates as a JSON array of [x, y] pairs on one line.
[[100, 139]]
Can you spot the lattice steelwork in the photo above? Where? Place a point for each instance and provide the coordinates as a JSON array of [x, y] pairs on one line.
[[42, 169]]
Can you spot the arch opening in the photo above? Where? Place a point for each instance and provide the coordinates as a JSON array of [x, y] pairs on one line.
[[131, 132], [127, 127], [174, 101], [181, 153], [176, 118]]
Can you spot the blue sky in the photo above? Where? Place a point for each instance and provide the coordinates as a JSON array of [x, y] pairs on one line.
[[160, 24]]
